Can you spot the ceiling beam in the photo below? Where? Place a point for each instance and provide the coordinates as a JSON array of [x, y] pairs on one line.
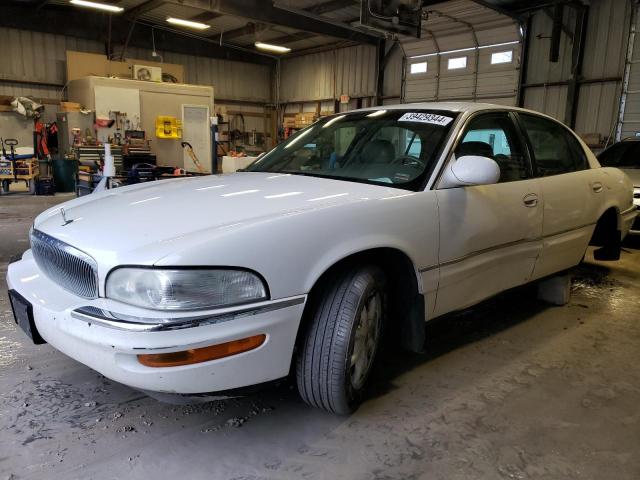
[[326, 7], [291, 38], [261, 11], [134, 13], [330, 6], [205, 17], [496, 8], [248, 29]]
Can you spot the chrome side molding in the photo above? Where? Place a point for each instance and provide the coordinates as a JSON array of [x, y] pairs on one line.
[[119, 321]]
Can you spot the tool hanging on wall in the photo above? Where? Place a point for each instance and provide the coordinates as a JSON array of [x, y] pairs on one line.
[[193, 156], [41, 149]]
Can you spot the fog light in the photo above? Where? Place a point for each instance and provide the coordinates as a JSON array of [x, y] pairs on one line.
[[198, 355]]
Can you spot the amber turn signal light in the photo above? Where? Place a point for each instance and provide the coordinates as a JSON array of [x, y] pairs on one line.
[[198, 355]]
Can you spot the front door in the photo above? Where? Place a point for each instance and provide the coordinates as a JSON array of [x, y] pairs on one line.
[[490, 235]]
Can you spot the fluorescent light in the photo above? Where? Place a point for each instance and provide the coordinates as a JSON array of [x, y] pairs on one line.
[[98, 6], [188, 23], [272, 48]]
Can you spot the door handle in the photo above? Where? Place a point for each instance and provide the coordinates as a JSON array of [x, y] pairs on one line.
[[596, 187], [530, 200]]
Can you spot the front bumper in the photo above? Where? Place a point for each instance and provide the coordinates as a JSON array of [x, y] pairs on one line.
[[113, 351]]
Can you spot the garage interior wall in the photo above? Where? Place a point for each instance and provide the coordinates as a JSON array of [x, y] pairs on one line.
[[34, 65], [546, 87], [324, 76]]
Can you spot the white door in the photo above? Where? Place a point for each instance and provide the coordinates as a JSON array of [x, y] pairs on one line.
[[489, 234], [572, 193]]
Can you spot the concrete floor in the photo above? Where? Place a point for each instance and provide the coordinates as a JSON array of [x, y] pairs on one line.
[[513, 389]]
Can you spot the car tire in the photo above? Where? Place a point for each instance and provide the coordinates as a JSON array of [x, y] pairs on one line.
[[339, 348]]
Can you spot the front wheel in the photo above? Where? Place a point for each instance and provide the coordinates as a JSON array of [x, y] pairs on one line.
[[342, 340]]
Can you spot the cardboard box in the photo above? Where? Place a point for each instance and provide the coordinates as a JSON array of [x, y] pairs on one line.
[[289, 122], [591, 139], [305, 119], [69, 107]]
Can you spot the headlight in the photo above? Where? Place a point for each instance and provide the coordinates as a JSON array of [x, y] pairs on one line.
[[184, 289]]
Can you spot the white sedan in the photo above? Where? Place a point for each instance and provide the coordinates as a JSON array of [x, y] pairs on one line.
[[363, 225]]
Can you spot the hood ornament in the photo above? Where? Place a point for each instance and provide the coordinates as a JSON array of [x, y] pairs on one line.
[[64, 217]]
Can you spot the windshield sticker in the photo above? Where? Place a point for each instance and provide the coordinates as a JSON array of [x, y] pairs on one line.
[[431, 118]]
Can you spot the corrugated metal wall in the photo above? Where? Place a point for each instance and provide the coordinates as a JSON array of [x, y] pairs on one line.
[[40, 57], [605, 47], [327, 75], [630, 118]]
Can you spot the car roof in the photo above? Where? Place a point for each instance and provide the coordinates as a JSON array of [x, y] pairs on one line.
[[458, 107]]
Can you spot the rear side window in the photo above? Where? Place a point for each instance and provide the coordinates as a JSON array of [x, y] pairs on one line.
[[555, 149]]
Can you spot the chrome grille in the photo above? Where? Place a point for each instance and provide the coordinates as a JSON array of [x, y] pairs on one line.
[[70, 268]]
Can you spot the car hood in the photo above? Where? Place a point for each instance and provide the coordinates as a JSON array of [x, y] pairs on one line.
[[141, 218], [633, 174]]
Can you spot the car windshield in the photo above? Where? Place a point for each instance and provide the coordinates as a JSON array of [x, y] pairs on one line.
[[621, 155], [387, 147]]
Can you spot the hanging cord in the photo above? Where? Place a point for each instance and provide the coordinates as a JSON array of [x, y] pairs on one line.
[[155, 54]]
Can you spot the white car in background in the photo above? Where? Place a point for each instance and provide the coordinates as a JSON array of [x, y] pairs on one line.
[[364, 224], [625, 155]]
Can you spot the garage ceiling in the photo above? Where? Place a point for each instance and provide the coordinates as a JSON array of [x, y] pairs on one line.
[[302, 25]]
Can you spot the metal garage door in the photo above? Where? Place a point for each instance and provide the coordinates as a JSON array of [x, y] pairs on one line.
[[467, 52]]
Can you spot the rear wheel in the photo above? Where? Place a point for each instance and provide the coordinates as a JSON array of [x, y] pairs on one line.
[[342, 339]]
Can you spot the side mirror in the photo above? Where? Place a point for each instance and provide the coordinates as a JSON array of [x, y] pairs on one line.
[[470, 170]]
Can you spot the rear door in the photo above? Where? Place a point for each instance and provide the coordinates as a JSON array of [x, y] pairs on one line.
[[489, 234], [572, 192]]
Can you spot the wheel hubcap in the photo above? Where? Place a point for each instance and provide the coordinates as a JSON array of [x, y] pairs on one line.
[[366, 339]]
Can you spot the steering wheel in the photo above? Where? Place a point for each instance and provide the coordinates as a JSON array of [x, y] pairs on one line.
[[409, 160]]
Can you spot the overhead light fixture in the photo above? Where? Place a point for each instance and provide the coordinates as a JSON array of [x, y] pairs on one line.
[[188, 23], [272, 48], [98, 6]]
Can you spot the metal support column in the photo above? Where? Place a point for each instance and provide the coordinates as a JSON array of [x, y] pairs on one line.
[[577, 56], [627, 71], [524, 59]]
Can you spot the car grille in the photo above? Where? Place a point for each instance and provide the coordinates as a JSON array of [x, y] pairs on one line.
[[70, 268]]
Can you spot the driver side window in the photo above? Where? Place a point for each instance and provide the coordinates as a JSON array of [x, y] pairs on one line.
[[493, 135]]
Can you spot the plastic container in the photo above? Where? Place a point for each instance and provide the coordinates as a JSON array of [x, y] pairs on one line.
[[64, 174]]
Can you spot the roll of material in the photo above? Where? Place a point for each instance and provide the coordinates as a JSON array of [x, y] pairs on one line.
[[109, 164]]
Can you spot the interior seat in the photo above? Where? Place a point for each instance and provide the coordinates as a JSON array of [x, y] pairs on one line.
[[378, 151], [481, 149]]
